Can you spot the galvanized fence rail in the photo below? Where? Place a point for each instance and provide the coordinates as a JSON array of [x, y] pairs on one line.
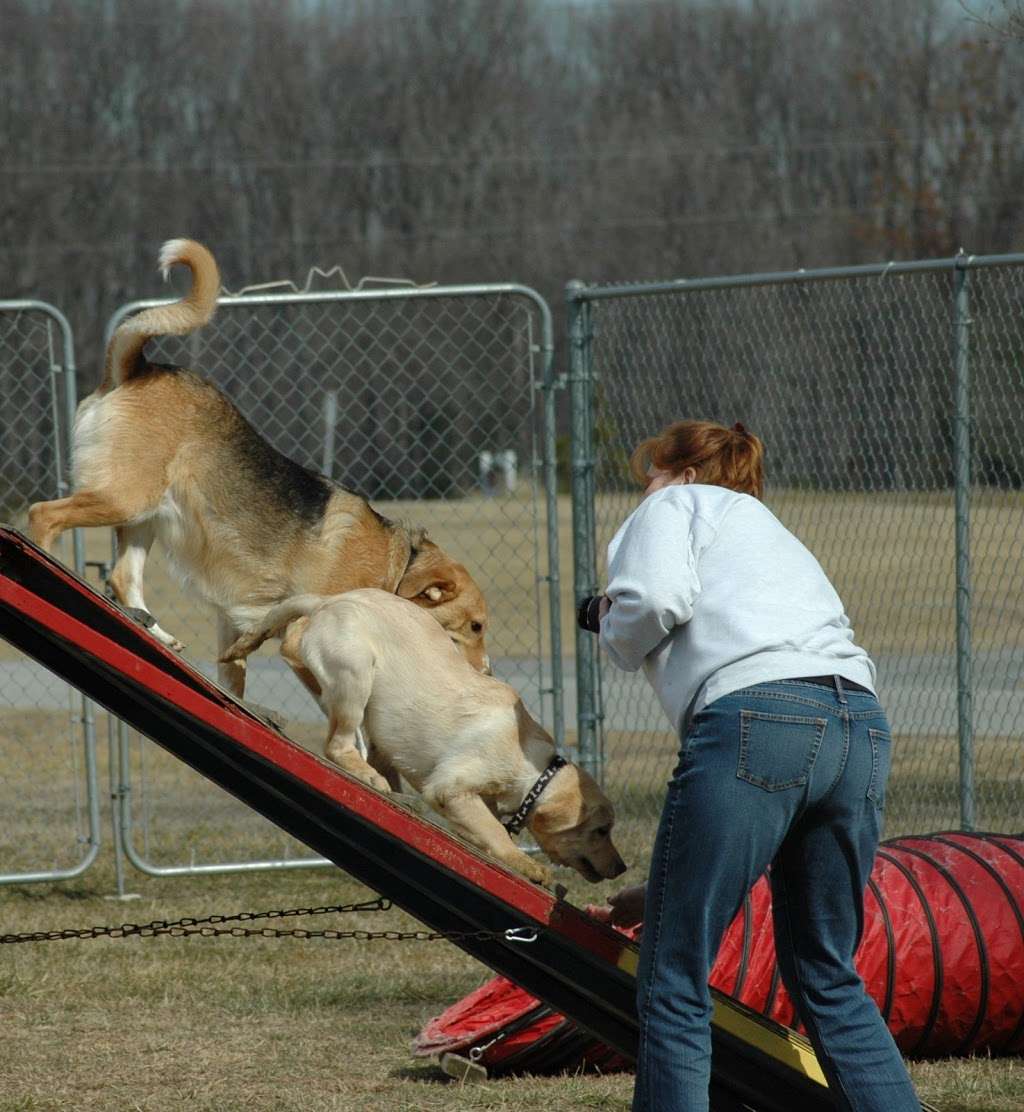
[[438, 405], [890, 399], [48, 778]]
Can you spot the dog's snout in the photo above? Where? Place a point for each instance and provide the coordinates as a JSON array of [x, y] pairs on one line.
[[609, 865]]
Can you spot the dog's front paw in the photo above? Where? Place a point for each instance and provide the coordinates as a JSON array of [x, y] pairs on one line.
[[165, 638], [538, 873], [375, 780]]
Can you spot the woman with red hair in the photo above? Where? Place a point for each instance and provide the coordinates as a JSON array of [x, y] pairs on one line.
[[783, 762]]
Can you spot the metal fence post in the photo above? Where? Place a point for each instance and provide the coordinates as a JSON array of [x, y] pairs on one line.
[[962, 508], [78, 549], [583, 528], [330, 423], [550, 385], [62, 402]]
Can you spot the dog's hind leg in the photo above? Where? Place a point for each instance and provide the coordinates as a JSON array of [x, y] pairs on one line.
[[133, 545], [376, 759], [292, 656], [346, 680], [232, 673], [343, 749]]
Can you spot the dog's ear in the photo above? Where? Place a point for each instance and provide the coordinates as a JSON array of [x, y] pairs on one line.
[[556, 818], [429, 579], [428, 588]]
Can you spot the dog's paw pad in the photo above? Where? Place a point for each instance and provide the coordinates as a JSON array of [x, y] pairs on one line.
[[539, 874]]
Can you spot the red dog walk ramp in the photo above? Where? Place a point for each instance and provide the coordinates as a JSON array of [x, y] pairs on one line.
[[555, 951]]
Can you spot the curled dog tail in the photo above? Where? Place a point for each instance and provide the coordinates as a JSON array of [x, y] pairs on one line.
[[298, 606], [124, 352]]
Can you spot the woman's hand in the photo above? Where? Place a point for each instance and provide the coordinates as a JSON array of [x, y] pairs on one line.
[[624, 909], [591, 611]]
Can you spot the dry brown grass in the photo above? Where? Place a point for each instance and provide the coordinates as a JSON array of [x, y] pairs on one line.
[[277, 1025], [893, 557], [223, 1024]]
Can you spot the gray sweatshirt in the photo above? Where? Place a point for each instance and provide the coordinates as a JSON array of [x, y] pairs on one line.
[[711, 593]]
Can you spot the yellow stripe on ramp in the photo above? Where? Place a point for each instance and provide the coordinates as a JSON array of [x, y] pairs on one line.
[[781, 1044], [772, 1039]]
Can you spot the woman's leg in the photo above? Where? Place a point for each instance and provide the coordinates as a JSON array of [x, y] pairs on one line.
[[818, 881], [718, 833]]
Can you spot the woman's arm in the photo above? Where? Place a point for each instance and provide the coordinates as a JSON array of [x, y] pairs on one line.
[[652, 580]]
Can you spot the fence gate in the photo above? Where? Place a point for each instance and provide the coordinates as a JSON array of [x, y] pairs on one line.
[[437, 404], [48, 784], [890, 399]]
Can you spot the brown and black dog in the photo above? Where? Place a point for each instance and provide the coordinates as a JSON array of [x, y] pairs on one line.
[[161, 454]]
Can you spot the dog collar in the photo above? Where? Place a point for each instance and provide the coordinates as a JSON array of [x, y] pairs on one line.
[[514, 823], [413, 553]]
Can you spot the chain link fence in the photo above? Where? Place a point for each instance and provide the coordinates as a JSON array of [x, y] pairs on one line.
[[48, 786], [432, 403], [890, 400]]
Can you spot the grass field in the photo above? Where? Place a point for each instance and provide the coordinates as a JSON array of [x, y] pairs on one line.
[[217, 1025], [288, 1024], [265, 1024]]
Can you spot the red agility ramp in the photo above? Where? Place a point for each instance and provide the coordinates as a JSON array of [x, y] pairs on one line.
[[942, 955], [554, 951]]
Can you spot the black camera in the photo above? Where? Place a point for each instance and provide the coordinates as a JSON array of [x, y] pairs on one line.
[[587, 614]]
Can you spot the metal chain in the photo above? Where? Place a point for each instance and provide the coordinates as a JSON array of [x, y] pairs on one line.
[[184, 928], [188, 925]]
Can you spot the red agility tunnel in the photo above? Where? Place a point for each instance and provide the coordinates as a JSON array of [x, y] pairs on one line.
[[942, 956]]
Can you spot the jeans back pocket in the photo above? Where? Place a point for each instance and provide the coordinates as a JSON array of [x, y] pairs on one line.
[[777, 751], [881, 758]]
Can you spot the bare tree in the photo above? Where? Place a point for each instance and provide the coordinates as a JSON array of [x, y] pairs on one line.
[[1003, 17], [461, 140]]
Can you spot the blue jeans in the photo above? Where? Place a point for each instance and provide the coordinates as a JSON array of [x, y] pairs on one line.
[[790, 775]]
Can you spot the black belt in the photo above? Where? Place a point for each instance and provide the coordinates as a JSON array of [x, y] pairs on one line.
[[830, 681]]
